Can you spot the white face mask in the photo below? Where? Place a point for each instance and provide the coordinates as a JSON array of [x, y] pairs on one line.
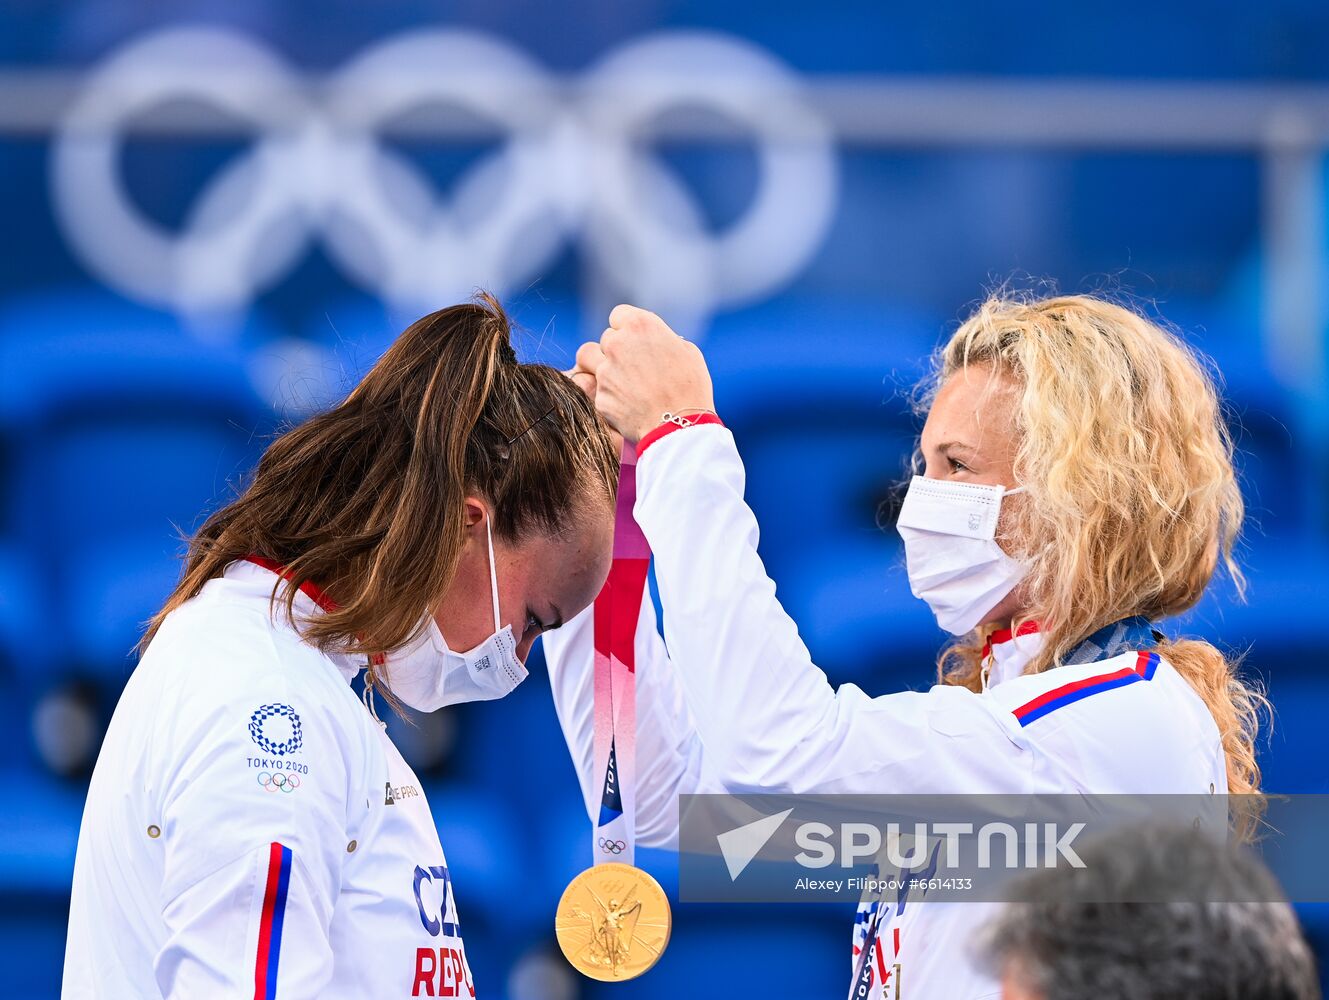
[[955, 564], [427, 675]]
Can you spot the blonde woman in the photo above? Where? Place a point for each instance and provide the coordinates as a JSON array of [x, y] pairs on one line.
[[1077, 488]]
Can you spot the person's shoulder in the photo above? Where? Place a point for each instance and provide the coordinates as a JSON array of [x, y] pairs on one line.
[[225, 626], [232, 694], [1064, 693], [1126, 723], [1078, 691], [221, 656]]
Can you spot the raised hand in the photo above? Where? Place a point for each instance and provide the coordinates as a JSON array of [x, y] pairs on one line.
[[641, 370]]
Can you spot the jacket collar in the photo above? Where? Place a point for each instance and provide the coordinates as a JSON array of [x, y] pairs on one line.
[[1005, 655], [309, 601]]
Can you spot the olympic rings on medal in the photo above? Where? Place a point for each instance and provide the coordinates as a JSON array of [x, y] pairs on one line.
[[611, 846], [278, 782], [572, 164]]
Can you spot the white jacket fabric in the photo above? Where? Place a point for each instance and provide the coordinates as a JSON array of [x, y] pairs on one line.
[[250, 830], [730, 701]]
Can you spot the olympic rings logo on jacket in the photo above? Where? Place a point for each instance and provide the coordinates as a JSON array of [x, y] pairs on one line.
[[278, 782]]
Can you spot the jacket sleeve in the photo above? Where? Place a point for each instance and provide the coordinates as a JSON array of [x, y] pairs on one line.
[[669, 754], [254, 834], [256, 927], [766, 715]]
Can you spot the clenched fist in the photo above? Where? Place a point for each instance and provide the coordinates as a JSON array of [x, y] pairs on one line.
[[642, 370]]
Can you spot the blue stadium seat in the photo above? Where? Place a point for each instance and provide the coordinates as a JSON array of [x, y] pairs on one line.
[[37, 840], [1285, 576], [37, 844], [122, 429], [784, 951], [817, 398], [860, 621], [485, 845], [18, 611], [1293, 749]]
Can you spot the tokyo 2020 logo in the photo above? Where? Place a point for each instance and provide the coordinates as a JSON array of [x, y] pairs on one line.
[[270, 723]]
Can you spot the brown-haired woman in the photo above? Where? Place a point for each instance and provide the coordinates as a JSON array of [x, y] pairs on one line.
[[237, 836]]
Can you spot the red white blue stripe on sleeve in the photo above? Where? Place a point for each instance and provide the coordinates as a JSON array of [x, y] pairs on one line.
[[270, 924], [1049, 701]]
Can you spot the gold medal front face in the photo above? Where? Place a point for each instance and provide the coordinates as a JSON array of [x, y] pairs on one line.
[[613, 922]]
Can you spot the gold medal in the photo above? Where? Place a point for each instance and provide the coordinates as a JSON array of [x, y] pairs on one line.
[[613, 922]]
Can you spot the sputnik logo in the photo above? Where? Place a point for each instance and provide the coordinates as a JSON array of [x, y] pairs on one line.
[[740, 845]]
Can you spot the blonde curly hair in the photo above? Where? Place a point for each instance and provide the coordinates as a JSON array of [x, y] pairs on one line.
[[1132, 498]]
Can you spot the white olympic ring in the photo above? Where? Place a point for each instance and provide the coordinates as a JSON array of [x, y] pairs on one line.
[[566, 169], [278, 782]]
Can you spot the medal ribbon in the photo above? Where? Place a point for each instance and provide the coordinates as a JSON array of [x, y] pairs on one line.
[[617, 609]]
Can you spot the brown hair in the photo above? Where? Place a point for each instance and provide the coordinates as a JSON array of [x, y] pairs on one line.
[[367, 499]]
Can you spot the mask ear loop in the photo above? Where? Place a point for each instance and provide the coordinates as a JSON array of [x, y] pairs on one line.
[[991, 657], [493, 570]]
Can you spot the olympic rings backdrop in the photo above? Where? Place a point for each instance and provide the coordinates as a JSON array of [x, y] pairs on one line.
[[219, 215], [565, 170]]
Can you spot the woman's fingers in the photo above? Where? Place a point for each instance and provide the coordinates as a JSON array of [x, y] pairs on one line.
[[588, 384], [582, 372], [589, 357], [585, 381], [626, 317]]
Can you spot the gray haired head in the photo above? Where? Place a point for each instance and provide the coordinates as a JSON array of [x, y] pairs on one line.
[[1150, 917]]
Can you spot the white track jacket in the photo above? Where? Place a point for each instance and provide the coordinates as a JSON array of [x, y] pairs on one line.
[[251, 831], [734, 703]]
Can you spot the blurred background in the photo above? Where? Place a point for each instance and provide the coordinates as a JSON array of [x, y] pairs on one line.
[[219, 214]]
